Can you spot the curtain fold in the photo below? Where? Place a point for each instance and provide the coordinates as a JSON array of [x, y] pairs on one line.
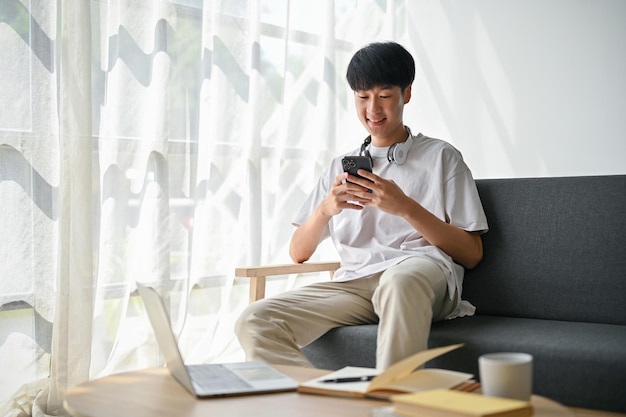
[[163, 142], [71, 337]]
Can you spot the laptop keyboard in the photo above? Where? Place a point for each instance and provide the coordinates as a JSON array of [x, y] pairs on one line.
[[215, 376]]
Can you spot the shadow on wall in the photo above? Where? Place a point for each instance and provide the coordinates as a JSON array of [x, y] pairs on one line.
[[526, 89]]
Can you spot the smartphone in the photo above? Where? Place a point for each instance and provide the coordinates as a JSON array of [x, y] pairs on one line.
[[351, 164]]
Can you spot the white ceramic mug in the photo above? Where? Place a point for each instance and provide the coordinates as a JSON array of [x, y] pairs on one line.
[[508, 375]]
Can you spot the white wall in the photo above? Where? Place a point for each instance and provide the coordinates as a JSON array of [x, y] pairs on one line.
[[522, 88]]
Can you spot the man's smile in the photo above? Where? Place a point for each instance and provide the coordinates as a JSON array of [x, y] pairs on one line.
[[379, 121]]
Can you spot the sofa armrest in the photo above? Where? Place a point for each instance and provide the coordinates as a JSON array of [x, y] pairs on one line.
[[258, 274]]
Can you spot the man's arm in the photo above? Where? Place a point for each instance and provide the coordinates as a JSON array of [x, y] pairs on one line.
[[308, 235], [466, 248]]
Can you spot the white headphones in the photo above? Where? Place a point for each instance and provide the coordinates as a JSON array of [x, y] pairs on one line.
[[397, 152]]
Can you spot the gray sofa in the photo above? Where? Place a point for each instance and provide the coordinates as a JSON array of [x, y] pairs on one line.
[[552, 283]]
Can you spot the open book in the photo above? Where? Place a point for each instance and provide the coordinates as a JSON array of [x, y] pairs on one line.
[[402, 377]]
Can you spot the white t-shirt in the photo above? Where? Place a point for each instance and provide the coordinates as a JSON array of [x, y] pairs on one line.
[[369, 240]]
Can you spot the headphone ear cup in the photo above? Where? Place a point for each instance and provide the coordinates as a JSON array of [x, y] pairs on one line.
[[397, 153]]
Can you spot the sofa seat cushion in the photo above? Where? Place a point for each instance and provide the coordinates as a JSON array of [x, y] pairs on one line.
[[569, 357]]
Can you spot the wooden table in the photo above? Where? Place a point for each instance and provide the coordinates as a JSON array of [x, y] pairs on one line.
[[153, 392]]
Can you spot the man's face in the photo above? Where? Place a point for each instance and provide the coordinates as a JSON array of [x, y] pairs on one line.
[[380, 110]]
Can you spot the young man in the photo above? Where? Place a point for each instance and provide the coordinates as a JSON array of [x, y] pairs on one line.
[[404, 232]]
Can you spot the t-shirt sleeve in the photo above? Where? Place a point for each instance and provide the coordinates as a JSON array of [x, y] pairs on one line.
[[313, 200], [463, 206]]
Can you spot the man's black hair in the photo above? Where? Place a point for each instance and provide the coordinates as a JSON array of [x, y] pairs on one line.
[[381, 64]]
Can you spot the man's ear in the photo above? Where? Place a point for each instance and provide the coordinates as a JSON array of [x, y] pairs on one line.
[[407, 94]]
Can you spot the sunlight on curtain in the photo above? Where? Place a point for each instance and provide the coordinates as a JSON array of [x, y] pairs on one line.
[[163, 142], [29, 194]]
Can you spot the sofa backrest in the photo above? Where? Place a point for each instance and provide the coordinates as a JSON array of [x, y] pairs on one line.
[[556, 249]]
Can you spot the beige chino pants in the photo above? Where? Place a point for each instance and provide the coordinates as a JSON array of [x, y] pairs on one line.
[[403, 300]]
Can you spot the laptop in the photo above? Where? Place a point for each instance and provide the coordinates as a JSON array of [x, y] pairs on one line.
[[209, 380]]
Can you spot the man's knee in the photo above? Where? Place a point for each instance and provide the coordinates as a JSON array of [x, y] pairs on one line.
[[402, 285], [413, 272], [410, 284], [248, 324], [241, 325]]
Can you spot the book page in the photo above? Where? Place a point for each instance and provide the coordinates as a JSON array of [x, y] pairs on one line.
[[407, 366], [425, 380]]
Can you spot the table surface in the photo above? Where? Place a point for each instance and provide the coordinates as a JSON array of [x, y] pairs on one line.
[[153, 392]]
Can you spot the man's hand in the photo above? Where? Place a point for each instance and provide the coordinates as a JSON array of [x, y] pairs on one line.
[[345, 193], [378, 192]]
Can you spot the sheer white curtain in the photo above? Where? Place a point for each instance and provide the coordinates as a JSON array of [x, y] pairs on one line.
[[163, 142]]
